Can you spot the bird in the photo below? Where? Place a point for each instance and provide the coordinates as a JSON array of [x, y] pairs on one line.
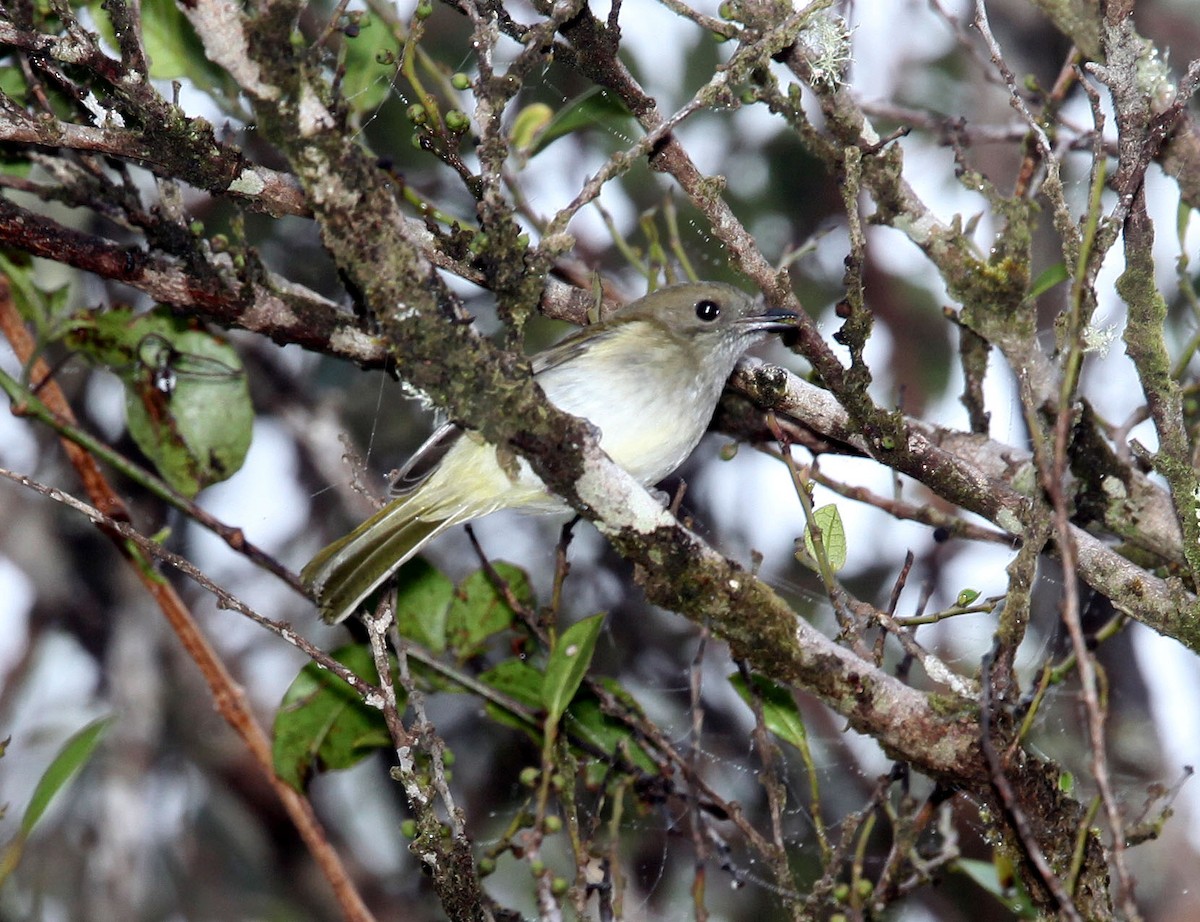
[[648, 378]]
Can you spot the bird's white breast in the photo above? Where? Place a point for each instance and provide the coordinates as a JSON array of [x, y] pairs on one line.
[[647, 400]]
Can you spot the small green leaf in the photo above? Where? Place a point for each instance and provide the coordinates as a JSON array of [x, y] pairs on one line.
[[13, 160], [833, 536], [479, 610], [966, 597], [372, 58], [518, 680], [322, 723], [73, 755], [187, 402], [12, 82], [522, 683], [568, 664], [172, 46], [423, 597], [596, 107], [1183, 217], [170, 42], [527, 127], [985, 873], [780, 713], [1049, 277], [586, 720]]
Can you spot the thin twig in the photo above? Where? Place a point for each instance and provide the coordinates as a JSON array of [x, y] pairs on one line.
[[1011, 802]]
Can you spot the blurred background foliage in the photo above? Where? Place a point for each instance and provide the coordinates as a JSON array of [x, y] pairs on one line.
[[169, 820]]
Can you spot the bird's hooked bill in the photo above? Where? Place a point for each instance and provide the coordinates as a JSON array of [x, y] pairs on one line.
[[773, 317]]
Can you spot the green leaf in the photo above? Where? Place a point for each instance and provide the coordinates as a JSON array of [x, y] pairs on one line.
[[322, 723], [172, 46], [522, 683], [568, 664], [1049, 277], [596, 107], [372, 58], [780, 713], [423, 597], [187, 402], [13, 160], [985, 873], [528, 126], [479, 610], [1183, 217], [73, 755], [35, 302], [833, 536], [586, 720], [12, 82], [965, 598]]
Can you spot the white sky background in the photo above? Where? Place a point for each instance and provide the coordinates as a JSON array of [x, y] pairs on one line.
[[266, 500]]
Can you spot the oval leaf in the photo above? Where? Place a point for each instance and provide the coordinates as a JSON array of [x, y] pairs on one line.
[[372, 58], [187, 403], [480, 610], [323, 724], [521, 682], [189, 408], [568, 663], [833, 536], [780, 713], [423, 597], [587, 720], [595, 107]]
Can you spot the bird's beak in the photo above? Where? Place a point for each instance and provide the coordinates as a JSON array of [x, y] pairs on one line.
[[773, 318]]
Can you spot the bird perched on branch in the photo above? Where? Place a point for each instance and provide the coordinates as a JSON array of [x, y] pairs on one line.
[[648, 378]]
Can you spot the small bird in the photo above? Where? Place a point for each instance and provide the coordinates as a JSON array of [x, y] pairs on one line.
[[648, 378]]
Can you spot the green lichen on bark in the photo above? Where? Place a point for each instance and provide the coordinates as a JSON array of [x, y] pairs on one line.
[[1145, 345]]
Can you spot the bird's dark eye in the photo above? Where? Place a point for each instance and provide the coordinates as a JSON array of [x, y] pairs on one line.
[[707, 310]]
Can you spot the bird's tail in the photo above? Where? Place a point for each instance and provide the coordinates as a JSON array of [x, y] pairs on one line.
[[350, 569]]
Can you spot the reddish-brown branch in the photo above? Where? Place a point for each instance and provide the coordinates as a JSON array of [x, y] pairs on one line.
[[228, 696]]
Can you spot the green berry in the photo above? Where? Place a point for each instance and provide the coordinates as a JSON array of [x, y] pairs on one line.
[[460, 81]]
